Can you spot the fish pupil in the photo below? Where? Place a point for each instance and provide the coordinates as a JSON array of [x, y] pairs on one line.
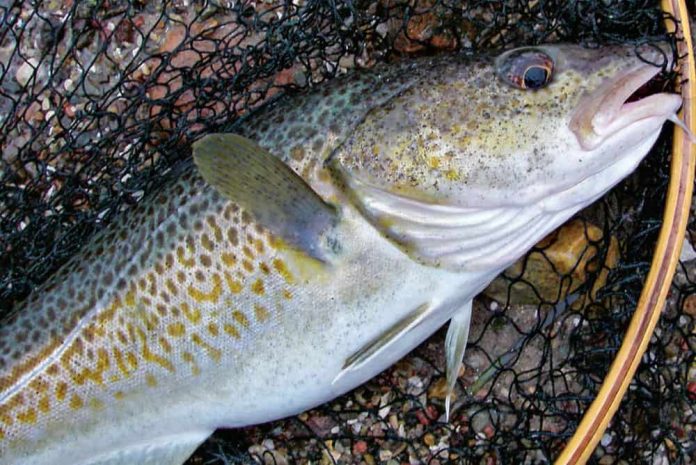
[[535, 77]]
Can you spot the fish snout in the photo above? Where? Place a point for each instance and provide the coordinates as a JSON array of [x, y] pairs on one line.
[[620, 102]]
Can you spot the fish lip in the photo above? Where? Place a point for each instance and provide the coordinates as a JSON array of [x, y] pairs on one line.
[[605, 111]]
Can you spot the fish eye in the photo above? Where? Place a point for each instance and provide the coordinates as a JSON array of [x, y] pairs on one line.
[[526, 69]]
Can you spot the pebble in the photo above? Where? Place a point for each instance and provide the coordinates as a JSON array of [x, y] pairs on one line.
[[25, 71], [360, 447], [606, 439]]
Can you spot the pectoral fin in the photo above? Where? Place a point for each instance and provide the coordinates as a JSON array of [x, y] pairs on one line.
[[455, 345], [267, 188]]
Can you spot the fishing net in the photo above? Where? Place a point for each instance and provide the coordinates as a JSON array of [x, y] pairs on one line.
[[100, 99]]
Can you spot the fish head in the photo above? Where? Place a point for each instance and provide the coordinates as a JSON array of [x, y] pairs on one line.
[[577, 122], [481, 158], [514, 129]]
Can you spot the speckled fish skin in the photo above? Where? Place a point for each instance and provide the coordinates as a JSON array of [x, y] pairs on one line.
[[186, 314]]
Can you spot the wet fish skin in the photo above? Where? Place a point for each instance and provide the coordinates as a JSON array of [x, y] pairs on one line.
[[188, 314]]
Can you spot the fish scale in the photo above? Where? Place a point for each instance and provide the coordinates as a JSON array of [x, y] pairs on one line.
[[162, 311], [295, 259]]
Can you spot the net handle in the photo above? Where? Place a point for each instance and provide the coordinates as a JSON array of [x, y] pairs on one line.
[[664, 262]]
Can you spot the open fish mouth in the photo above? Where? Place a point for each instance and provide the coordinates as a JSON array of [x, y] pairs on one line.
[[621, 102]]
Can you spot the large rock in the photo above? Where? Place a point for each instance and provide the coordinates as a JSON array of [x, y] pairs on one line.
[[557, 266]]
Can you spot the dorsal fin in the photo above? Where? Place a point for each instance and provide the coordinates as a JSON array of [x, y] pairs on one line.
[[263, 185]]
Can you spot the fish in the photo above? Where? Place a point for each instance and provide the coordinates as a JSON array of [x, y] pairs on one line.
[[312, 246]]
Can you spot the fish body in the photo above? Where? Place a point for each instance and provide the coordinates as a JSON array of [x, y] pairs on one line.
[[311, 250]]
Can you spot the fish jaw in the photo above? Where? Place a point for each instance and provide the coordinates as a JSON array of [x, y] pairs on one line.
[[606, 112]]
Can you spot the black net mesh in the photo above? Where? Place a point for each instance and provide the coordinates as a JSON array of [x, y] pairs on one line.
[[99, 99]]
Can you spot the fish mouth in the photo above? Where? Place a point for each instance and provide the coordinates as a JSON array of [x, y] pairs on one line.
[[621, 102]]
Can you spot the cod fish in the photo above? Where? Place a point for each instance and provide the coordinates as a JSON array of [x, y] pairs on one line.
[[310, 249]]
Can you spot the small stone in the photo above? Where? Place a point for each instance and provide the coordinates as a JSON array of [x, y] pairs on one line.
[[690, 305], [691, 390], [606, 440], [438, 389], [360, 447], [422, 418], [569, 252], [429, 440], [69, 110], [385, 455], [26, 71], [369, 459]]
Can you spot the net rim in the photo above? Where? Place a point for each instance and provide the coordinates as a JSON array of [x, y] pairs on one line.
[[664, 262]]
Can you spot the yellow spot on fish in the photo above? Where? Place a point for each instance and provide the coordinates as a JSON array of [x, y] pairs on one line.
[[194, 316], [261, 313], [5, 418], [247, 251], [212, 296], [282, 269], [231, 330], [287, 294], [452, 175], [258, 288], [61, 391], [132, 360], [213, 353], [240, 318], [248, 266], [164, 344], [263, 267], [130, 298], [259, 246], [228, 259], [213, 329], [96, 404], [234, 285], [119, 395], [155, 358], [94, 374], [151, 380], [434, 162], [181, 257], [217, 232], [28, 417], [207, 243], [189, 358], [44, 404], [76, 402], [171, 287], [297, 153], [120, 364], [176, 329]]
